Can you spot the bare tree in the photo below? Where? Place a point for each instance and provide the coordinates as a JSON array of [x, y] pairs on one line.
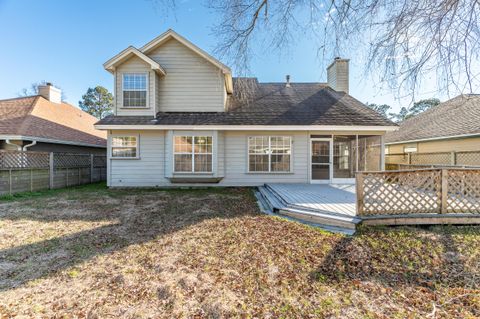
[[403, 40]]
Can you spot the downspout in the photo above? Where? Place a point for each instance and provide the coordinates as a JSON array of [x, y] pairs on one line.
[[28, 145], [19, 148]]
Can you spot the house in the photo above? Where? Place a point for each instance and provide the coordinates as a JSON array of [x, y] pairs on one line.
[[180, 118], [44, 123], [453, 125]]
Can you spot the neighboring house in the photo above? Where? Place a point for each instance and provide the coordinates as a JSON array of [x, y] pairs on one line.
[[451, 126], [181, 119], [45, 123]]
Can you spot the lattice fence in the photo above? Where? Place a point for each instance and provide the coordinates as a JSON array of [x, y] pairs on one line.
[[31, 171], [469, 159], [422, 191]]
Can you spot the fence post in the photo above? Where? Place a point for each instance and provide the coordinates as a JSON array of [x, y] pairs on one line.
[[444, 192], [91, 168], [50, 183], [453, 158], [10, 181], [409, 158], [359, 192], [31, 180]]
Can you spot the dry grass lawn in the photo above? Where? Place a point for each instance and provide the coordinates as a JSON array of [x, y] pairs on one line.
[[99, 253]]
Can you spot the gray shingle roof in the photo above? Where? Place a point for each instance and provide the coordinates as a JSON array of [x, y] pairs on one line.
[[256, 103], [458, 116]]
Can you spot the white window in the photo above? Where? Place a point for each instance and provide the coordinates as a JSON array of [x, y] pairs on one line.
[[135, 90], [269, 153], [124, 147], [193, 154], [410, 148]]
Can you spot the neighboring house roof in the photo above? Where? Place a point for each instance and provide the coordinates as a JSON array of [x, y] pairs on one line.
[[272, 104], [36, 118], [457, 117], [126, 54]]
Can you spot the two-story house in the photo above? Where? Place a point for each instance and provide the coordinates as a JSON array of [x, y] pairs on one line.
[[180, 118]]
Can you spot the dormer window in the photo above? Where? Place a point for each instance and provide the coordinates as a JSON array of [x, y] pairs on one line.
[[134, 90]]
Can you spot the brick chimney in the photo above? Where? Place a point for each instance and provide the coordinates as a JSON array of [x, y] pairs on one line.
[[338, 74], [50, 92]]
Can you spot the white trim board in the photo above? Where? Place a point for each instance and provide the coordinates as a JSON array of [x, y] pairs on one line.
[[379, 129]]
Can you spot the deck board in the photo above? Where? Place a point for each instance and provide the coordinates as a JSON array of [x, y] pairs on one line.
[[339, 199]]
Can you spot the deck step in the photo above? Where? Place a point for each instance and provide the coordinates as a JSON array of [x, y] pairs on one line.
[[271, 203]]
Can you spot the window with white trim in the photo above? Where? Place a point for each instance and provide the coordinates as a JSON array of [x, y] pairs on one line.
[[135, 90], [269, 153], [192, 154], [124, 147]]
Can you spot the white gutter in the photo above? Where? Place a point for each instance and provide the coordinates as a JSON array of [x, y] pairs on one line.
[[19, 148], [248, 127], [435, 138], [47, 140], [28, 145]]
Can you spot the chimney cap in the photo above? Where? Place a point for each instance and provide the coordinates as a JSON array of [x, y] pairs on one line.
[[49, 84]]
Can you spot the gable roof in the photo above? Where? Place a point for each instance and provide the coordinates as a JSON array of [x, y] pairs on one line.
[[453, 118], [272, 104], [126, 54], [35, 117]]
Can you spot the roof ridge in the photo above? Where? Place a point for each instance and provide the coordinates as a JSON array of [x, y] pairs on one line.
[[20, 97]]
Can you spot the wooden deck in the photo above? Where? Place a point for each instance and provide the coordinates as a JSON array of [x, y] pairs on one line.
[[337, 199], [332, 207]]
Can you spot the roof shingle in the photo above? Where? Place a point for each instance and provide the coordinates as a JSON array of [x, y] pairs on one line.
[[255, 103], [457, 116]]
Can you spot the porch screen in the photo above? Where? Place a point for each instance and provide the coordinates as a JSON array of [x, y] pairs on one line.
[[344, 157]]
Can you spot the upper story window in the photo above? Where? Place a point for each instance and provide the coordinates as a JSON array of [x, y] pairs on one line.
[[125, 146], [135, 90], [269, 153]]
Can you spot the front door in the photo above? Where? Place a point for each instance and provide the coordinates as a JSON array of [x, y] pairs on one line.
[[321, 160]]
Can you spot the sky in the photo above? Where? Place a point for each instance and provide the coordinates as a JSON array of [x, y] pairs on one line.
[[66, 43]]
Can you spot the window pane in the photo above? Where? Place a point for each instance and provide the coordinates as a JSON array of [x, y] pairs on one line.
[[280, 163], [124, 152], [135, 90], [183, 162], [203, 144], [183, 144], [203, 163], [258, 145], [280, 145], [258, 163], [119, 141]]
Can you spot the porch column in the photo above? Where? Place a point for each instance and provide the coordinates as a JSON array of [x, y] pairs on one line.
[[382, 153]]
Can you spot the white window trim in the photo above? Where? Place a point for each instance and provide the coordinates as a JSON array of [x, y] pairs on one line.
[[290, 171], [192, 153], [137, 136], [147, 86]]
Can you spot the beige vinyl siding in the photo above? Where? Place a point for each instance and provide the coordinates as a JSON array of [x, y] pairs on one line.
[[192, 84], [236, 160], [448, 145], [148, 170], [134, 65]]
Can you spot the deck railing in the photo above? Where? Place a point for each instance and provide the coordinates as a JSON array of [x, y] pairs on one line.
[[420, 191]]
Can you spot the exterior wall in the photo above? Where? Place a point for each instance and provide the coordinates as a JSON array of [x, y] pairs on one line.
[[134, 65], [464, 144], [154, 166], [147, 170], [192, 84]]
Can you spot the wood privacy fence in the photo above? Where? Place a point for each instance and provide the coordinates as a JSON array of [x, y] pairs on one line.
[[437, 159], [33, 171], [423, 191]]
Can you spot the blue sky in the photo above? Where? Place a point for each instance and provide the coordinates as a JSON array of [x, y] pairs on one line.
[[66, 43]]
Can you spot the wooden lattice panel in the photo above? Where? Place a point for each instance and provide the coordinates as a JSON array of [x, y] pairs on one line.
[[463, 191], [20, 160], [397, 193], [63, 160], [431, 158], [468, 158], [99, 161]]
